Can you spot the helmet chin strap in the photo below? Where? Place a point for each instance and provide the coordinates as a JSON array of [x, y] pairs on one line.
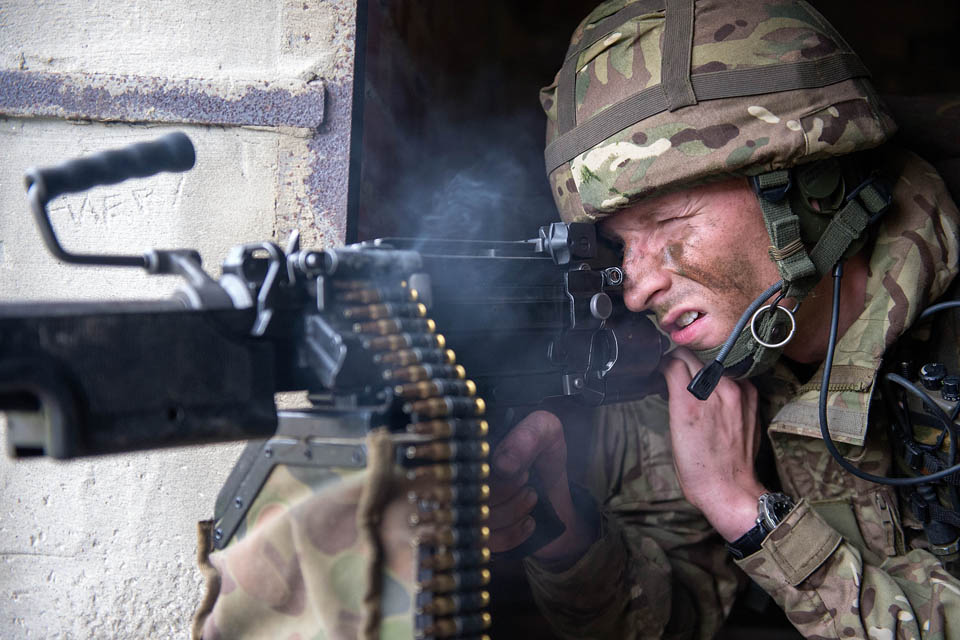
[[762, 332], [754, 345]]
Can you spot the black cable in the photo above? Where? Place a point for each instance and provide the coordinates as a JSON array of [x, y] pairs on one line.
[[824, 390], [706, 380], [939, 443], [940, 306]]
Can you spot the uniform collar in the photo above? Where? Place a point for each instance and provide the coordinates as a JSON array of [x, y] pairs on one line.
[[913, 261]]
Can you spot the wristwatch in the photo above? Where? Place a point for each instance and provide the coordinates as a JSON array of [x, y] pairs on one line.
[[772, 508]]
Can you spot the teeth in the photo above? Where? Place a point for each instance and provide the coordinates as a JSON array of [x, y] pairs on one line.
[[687, 318]]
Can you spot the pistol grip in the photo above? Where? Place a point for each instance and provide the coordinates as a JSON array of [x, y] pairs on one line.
[[549, 527]]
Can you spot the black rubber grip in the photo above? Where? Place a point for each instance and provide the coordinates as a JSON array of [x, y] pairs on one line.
[[172, 152]]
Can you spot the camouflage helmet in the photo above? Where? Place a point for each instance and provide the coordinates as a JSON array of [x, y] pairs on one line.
[[658, 95]]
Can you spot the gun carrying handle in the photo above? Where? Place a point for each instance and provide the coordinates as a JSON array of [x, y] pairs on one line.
[[172, 152]]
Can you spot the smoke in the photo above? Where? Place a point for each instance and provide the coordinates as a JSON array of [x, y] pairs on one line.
[[452, 146], [484, 180]]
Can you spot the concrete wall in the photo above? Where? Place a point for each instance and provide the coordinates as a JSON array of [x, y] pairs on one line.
[[105, 547]]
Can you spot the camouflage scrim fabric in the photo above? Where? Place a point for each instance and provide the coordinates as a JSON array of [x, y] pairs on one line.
[[296, 570], [850, 560], [747, 134]]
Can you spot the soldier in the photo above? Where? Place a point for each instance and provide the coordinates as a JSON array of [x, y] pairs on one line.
[[726, 147]]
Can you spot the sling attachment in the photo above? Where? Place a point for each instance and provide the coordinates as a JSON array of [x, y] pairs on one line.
[[928, 511], [780, 255]]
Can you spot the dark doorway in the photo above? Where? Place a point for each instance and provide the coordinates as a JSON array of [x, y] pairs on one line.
[[452, 126]]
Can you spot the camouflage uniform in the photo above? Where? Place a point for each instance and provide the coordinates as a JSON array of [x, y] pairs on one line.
[[849, 561]]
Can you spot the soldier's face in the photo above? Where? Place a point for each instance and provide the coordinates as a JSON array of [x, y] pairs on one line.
[[697, 258]]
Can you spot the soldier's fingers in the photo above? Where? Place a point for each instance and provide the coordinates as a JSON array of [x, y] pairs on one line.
[[681, 369], [538, 432], [513, 510], [749, 401], [750, 414], [502, 489], [512, 536], [686, 356], [678, 373]]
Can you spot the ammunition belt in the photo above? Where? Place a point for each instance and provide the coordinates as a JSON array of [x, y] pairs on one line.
[[445, 457]]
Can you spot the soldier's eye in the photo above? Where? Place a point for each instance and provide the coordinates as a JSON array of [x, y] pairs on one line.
[[613, 243]]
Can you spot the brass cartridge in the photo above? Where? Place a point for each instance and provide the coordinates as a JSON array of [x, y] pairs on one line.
[[456, 603], [379, 294], [444, 536], [420, 372], [436, 387], [453, 494], [456, 581], [448, 406], [396, 325], [407, 357], [452, 450], [456, 559], [385, 310], [456, 471], [457, 428], [458, 625], [405, 341], [452, 516]]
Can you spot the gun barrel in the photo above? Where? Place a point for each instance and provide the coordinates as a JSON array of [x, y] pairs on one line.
[[77, 384]]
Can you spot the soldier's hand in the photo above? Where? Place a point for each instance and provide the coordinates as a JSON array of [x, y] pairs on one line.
[[715, 442], [535, 444]]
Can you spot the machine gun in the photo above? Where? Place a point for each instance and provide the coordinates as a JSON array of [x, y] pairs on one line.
[[436, 342]]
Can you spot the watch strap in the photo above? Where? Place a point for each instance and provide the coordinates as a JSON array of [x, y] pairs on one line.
[[749, 543], [772, 507]]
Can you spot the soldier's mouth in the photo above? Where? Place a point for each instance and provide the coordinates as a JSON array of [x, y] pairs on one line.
[[683, 327], [687, 318]]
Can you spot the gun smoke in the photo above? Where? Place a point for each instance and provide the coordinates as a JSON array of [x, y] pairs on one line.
[[475, 181]]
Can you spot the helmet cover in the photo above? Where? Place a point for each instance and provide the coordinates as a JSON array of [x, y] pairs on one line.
[[658, 95]]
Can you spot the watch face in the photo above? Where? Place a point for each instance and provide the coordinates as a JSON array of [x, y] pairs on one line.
[[774, 507]]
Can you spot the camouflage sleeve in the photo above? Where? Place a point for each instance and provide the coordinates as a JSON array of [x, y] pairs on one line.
[[829, 590], [658, 569]]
